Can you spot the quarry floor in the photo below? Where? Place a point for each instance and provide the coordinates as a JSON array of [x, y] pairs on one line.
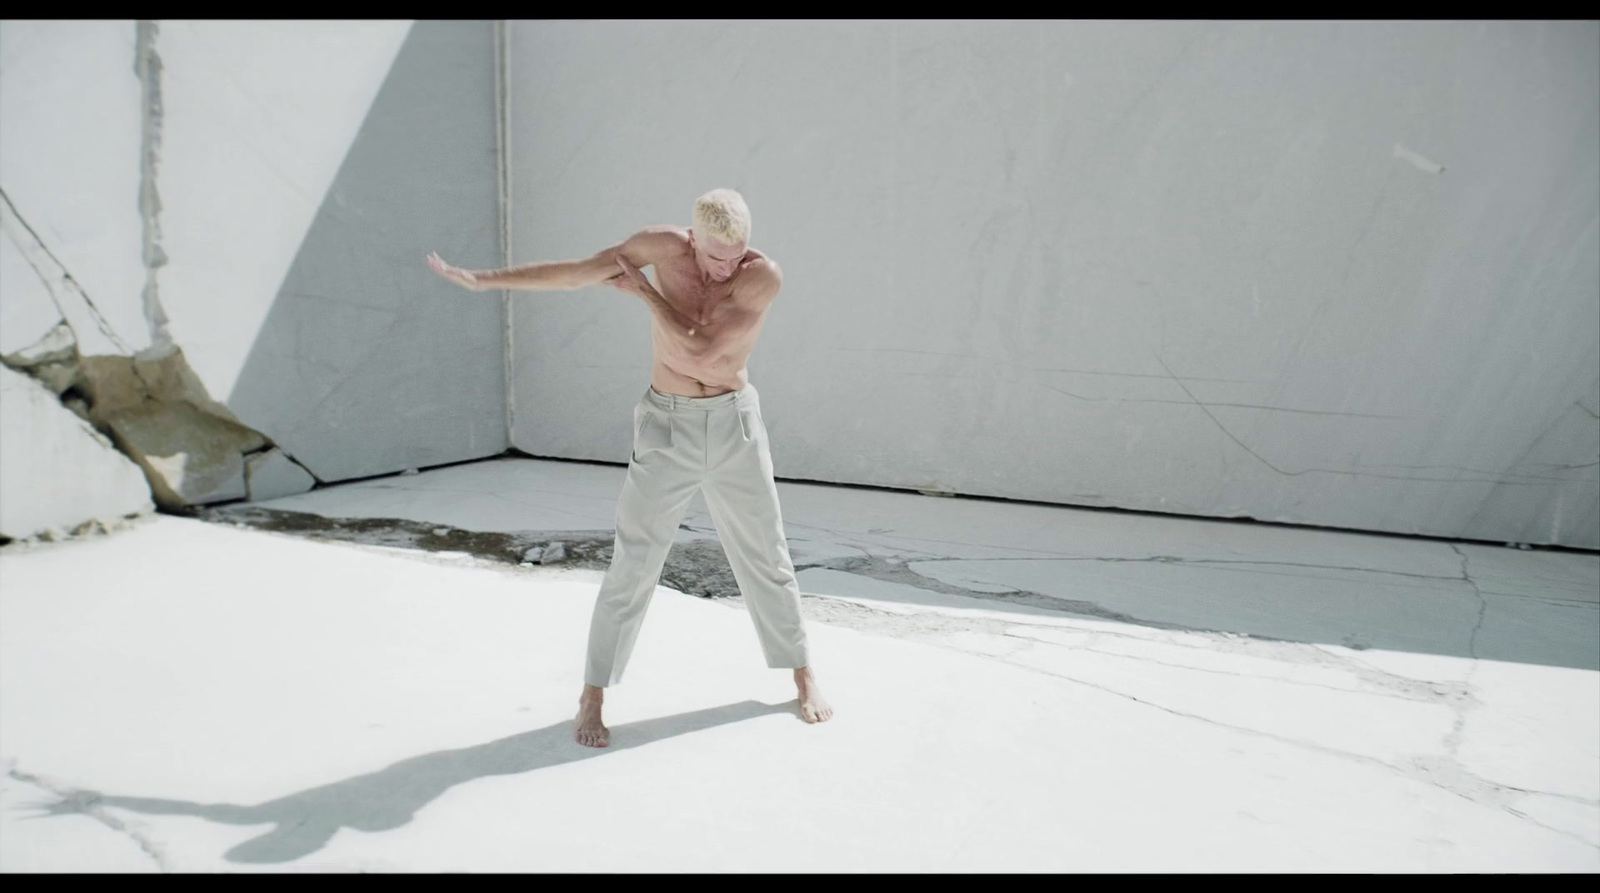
[[382, 676]]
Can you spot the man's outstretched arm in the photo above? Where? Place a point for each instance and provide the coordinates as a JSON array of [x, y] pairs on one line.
[[641, 249]]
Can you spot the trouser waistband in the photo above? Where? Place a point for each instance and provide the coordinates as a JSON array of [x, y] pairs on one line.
[[745, 396]]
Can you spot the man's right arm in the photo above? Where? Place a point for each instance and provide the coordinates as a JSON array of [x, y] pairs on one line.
[[641, 249]]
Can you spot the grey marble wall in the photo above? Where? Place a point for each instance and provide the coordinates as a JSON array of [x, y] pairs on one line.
[[367, 362], [1334, 273]]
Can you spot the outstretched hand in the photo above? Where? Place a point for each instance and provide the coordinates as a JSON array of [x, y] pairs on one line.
[[463, 278]]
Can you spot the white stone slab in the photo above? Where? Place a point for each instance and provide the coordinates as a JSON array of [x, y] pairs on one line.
[[343, 708], [56, 471]]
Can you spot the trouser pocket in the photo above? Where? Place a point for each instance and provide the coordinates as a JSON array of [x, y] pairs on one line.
[[651, 431], [750, 427]]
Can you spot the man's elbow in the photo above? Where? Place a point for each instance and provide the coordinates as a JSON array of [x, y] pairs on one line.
[[596, 269]]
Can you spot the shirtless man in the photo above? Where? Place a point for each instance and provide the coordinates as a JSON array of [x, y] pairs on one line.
[[698, 427]]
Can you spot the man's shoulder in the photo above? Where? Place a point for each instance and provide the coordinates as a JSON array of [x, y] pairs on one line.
[[659, 241], [665, 231], [760, 273]]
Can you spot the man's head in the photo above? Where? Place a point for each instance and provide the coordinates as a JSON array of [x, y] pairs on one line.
[[721, 233]]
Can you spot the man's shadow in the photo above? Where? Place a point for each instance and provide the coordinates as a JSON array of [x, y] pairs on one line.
[[379, 801]]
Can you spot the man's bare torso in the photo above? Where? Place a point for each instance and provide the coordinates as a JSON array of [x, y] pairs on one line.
[[728, 316]]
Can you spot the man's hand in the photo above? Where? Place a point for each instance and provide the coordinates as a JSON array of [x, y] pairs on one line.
[[633, 282], [463, 278]]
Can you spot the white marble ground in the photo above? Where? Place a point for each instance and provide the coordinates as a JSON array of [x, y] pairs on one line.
[[1018, 687]]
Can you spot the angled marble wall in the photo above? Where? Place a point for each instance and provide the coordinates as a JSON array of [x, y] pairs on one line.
[[366, 362], [1335, 273], [244, 207]]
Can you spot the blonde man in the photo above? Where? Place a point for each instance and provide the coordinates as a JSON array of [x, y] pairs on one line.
[[698, 427]]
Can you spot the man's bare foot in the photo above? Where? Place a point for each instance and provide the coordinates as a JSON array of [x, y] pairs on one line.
[[588, 729], [813, 706]]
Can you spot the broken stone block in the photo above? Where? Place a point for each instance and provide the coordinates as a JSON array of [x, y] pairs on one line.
[[190, 457], [271, 474], [57, 346], [157, 373], [533, 555], [58, 377], [58, 474], [158, 413], [53, 359], [553, 553]]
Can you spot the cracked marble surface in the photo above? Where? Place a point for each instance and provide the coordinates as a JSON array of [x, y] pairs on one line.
[[1312, 699]]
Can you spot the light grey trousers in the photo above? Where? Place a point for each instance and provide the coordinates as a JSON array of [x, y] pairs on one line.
[[717, 445]]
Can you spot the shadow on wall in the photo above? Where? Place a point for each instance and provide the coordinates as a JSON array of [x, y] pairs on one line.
[[367, 362]]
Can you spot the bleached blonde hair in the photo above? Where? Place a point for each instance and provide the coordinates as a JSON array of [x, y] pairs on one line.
[[722, 215]]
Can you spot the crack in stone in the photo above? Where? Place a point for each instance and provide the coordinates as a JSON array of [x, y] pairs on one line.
[[147, 66], [1176, 559], [1380, 682], [1484, 500], [153, 409], [891, 571], [72, 801], [698, 568], [1571, 603], [1498, 481], [100, 320], [1399, 695], [1087, 399], [1445, 773], [1553, 466], [148, 404], [1483, 603]]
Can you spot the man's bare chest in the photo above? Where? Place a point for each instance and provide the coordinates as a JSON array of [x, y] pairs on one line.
[[707, 303]]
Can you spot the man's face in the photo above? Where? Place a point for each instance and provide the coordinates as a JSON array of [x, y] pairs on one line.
[[717, 260]]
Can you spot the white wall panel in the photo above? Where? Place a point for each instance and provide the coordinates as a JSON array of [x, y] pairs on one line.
[[1338, 273], [69, 160]]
